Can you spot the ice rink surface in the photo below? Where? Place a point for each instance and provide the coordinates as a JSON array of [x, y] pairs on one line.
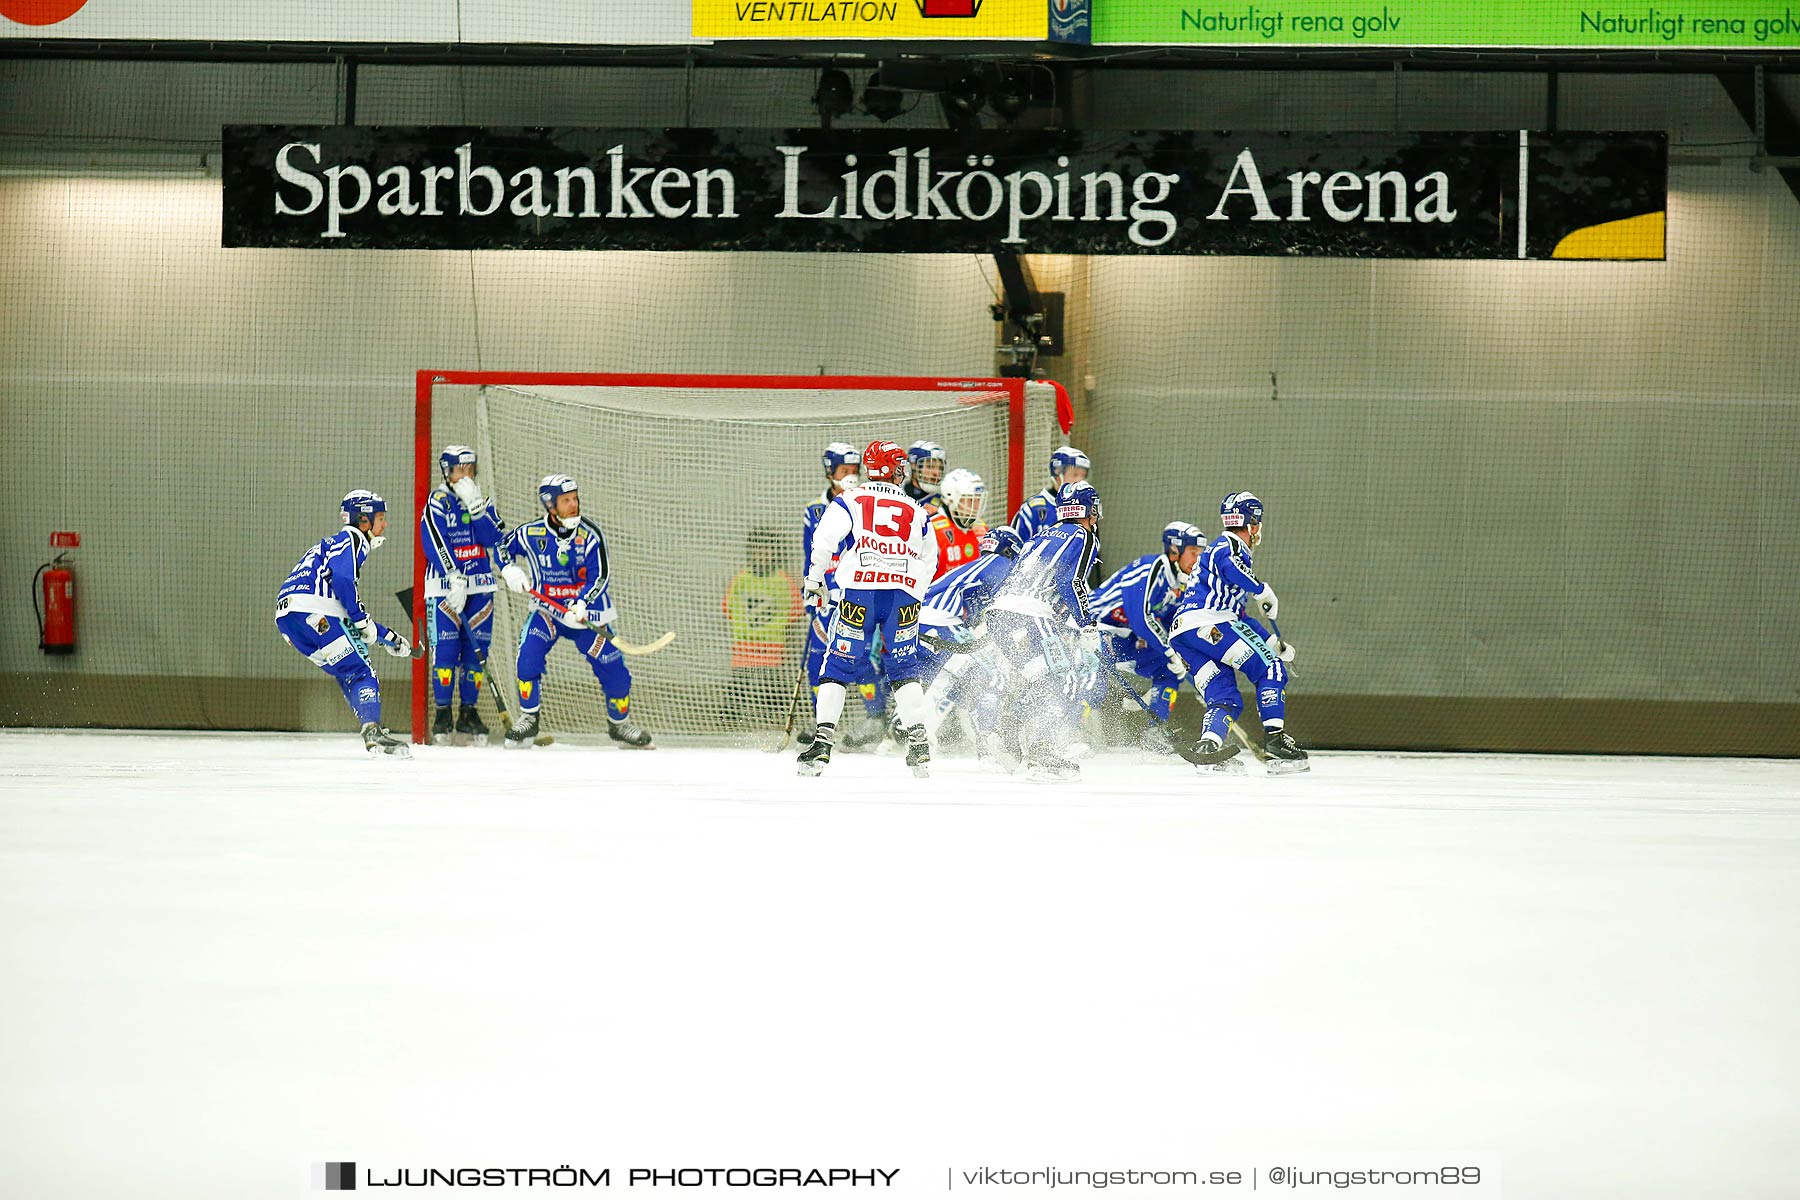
[[226, 958]]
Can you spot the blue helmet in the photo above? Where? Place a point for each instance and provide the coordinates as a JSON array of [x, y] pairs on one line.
[[361, 503], [840, 454], [1179, 535], [453, 457], [920, 453], [1077, 500], [1003, 540], [1064, 457], [552, 486], [1241, 509]]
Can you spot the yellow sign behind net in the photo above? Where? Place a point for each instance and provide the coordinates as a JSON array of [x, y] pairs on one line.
[[964, 20]]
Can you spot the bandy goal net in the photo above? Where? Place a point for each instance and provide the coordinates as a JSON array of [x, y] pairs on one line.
[[700, 484]]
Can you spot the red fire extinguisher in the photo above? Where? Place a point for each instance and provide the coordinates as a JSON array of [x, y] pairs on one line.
[[56, 619]]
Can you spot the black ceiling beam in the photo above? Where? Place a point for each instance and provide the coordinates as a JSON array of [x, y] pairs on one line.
[[1781, 128], [811, 55]]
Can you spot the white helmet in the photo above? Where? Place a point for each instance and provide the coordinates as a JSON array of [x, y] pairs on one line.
[[963, 493]]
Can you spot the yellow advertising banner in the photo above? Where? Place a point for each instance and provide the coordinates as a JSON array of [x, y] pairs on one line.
[[836, 20]]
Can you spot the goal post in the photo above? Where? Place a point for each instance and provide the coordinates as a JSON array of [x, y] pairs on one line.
[[688, 475]]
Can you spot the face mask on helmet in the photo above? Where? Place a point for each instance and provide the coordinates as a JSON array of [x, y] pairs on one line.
[[926, 463], [963, 495]]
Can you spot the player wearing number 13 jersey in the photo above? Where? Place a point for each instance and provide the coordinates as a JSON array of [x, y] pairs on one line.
[[888, 560]]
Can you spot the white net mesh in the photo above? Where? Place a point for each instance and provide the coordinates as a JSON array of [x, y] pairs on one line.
[[689, 484]]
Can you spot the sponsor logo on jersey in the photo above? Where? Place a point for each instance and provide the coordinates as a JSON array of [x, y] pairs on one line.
[[909, 614], [891, 549], [525, 687], [851, 613], [323, 625], [843, 647], [1213, 635], [1070, 512], [560, 591], [467, 552], [866, 576]]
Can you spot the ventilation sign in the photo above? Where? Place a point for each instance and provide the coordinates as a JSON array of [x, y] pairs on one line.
[[965, 20]]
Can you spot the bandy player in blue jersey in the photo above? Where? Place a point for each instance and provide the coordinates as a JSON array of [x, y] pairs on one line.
[[1215, 638], [562, 556], [459, 535], [1136, 607], [883, 572], [1044, 598], [957, 659], [320, 614], [1038, 513]]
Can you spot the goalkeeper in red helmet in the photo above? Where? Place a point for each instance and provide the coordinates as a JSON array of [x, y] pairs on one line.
[[884, 570]]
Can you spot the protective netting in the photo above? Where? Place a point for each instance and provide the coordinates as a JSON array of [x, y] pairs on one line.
[[1537, 505], [700, 493]]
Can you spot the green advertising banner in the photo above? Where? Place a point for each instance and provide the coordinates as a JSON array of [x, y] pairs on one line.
[[1586, 24]]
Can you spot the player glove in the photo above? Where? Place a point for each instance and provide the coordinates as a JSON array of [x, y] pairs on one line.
[[577, 612], [1177, 664], [1266, 601], [459, 591], [515, 577], [814, 593], [1090, 639], [469, 492], [365, 630], [394, 642], [1283, 650]]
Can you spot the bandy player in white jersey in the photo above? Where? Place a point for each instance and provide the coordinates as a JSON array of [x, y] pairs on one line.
[[883, 573]]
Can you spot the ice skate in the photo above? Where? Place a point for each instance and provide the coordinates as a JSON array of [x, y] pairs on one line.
[[441, 727], [470, 725], [1283, 757], [1211, 758], [1045, 764], [377, 740], [918, 751], [629, 734], [523, 733], [994, 748], [812, 760]]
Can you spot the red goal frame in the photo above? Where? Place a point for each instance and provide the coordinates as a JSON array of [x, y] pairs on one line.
[[425, 451]]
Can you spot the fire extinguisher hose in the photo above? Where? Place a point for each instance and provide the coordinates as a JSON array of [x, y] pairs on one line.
[[35, 606]]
